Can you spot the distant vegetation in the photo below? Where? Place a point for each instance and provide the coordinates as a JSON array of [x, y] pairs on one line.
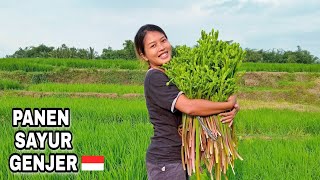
[[281, 56], [128, 53]]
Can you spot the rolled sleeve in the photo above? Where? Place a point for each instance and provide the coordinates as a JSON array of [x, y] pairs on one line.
[[173, 109]]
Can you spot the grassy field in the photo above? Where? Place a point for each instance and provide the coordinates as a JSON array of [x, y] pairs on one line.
[[278, 126]]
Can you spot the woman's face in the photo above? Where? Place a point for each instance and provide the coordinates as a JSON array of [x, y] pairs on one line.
[[157, 48]]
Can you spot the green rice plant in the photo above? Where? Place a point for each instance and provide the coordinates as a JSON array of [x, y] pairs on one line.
[[276, 158], [99, 109], [279, 144], [116, 128], [19, 64], [208, 71], [43, 64], [263, 121], [280, 67], [98, 88], [274, 122], [122, 145], [6, 84]]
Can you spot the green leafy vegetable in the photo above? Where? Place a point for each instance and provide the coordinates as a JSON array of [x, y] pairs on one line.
[[207, 71]]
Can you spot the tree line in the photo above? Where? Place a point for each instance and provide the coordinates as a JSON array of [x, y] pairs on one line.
[[281, 56], [128, 52], [43, 51]]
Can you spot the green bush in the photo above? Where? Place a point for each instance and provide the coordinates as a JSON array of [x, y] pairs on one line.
[[39, 78]]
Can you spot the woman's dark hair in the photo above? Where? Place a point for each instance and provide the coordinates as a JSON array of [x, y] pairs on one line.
[[138, 39]]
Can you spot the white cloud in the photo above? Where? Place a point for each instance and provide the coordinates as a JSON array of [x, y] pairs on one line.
[[263, 2], [252, 23]]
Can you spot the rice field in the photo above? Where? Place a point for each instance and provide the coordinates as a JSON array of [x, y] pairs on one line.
[[7, 84], [46, 65], [278, 126], [273, 143], [43, 64], [277, 67], [98, 88]]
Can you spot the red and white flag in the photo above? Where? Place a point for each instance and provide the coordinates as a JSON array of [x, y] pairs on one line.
[[92, 163]]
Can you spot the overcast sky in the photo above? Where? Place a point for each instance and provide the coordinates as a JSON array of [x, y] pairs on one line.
[[255, 24]]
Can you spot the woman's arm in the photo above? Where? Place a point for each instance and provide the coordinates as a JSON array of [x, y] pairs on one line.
[[201, 107]]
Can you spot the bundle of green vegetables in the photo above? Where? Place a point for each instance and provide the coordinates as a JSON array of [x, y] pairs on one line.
[[207, 71]]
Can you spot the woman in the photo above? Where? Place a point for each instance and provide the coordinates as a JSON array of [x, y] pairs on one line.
[[165, 105]]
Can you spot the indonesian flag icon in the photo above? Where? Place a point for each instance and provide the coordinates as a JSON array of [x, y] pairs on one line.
[[92, 163]]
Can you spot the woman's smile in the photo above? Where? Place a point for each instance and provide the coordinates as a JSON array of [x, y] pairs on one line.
[[157, 49], [164, 55]]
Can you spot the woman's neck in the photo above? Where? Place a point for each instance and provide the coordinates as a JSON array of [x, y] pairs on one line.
[[158, 68]]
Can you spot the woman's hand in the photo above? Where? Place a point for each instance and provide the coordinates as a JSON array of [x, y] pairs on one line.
[[228, 117], [232, 100]]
